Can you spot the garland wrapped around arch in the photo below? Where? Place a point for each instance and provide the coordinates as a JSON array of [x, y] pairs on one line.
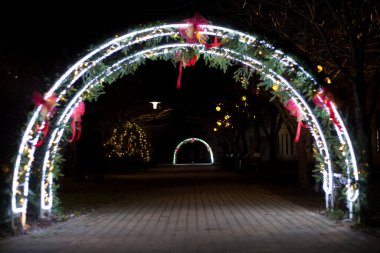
[[185, 43]]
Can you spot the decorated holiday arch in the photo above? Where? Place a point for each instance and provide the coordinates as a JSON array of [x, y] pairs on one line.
[[184, 43], [192, 140]]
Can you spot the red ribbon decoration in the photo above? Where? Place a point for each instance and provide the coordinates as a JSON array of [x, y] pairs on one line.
[[48, 109], [215, 44], [321, 100], [192, 34], [183, 62], [294, 110], [77, 119]]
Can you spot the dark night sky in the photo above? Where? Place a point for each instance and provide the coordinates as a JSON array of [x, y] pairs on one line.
[[71, 27], [41, 40]]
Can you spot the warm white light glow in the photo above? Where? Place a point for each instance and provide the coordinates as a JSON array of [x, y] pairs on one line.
[[155, 104]]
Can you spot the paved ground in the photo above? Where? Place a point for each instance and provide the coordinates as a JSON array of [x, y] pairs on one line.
[[193, 209]]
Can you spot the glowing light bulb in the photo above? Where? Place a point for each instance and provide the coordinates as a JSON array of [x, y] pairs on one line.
[[155, 104]]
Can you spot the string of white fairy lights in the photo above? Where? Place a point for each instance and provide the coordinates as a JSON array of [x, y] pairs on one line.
[[327, 183], [192, 140], [30, 137]]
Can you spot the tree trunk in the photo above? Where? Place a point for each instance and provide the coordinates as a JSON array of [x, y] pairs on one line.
[[245, 145], [273, 135], [363, 148]]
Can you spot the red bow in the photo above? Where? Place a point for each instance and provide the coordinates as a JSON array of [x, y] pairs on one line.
[[294, 110], [77, 119], [321, 100], [48, 110], [192, 34]]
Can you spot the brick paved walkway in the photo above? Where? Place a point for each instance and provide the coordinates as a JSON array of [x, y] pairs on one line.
[[196, 210]]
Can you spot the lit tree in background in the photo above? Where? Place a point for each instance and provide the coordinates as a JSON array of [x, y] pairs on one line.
[[234, 116], [227, 130], [128, 101], [128, 140]]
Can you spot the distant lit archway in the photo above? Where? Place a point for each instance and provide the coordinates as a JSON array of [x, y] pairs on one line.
[[192, 140], [123, 55]]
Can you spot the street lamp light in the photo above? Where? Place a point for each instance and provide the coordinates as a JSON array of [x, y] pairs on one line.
[[155, 104]]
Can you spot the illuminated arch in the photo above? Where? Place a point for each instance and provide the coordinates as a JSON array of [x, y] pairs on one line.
[[192, 140], [121, 56]]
